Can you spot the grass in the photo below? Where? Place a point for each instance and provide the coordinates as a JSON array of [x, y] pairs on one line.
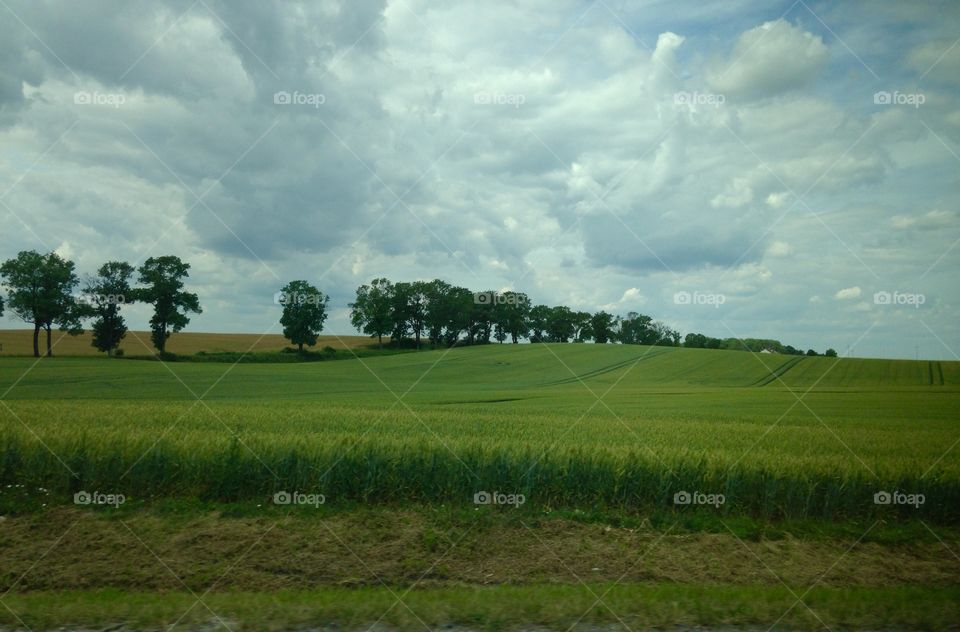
[[504, 607], [521, 419], [599, 439]]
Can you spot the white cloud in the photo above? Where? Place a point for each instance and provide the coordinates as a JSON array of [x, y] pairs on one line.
[[847, 293], [769, 59]]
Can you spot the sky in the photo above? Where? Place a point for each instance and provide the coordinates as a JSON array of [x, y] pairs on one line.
[[783, 170]]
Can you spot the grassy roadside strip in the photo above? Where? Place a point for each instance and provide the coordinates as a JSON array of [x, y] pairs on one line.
[[500, 607]]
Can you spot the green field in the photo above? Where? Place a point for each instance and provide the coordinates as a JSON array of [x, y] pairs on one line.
[[566, 425], [598, 440]]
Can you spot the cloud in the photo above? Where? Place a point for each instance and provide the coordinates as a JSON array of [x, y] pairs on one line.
[[847, 293], [578, 175], [770, 59]]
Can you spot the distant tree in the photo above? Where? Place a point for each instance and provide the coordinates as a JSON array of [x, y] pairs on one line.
[[513, 313], [811, 352], [461, 310], [539, 321], [304, 312], [41, 292], [103, 295], [437, 309], [162, 279], [372, 311], [1, 307], [830, 353], [560, 324], [582, 328], [695, 341], [603, 326], [417, 309], [401, 310]]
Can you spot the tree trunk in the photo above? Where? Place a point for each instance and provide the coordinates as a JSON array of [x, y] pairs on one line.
[[300, 348], [380, 340], [36, 341], [49, 346]]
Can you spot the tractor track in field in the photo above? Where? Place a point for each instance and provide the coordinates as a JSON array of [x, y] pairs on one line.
[[778, 372], [936, 373], [606, 369]]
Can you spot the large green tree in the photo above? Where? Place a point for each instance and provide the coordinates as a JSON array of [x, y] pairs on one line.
[[603, 326], [41, 293], [512, 313], [104, 294], [304, 312], [372, 310], [162, 279]]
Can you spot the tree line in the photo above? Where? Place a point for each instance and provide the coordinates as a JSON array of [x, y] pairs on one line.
[[43, 291], [447, 315]]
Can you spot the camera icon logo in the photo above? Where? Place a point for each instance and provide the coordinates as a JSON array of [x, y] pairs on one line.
[[482, 498], [882, 498], [82, 498], [82, 98], [882, 98], [282, 98], [682, 498], [681, 298], [281, 498], [483, 298], [882, 298]]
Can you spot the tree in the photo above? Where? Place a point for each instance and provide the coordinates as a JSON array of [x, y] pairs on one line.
[[539, 321], [304, 312], [103, 295], [371, 312], [41, 292], [830, 353], [163, 280], [436, 309], [512, 314], [560, 324], [603, 326], [811, 352], [1, 307]]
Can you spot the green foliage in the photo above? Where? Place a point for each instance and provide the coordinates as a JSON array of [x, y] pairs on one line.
[[304, 312], [104, 295], [162, 278], [371, 311], [41, 293]]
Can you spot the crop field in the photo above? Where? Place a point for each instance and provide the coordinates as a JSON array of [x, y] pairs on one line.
[[19, 342], [565, 425]]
